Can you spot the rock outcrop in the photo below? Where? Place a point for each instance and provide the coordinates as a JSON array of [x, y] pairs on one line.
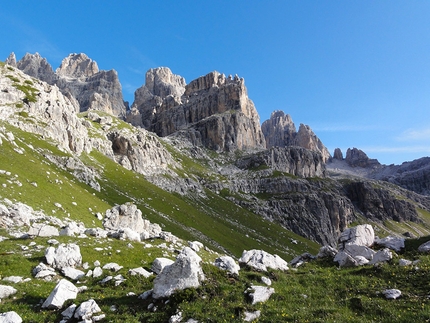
[[80, 79], [293, 160], [280, 131], [213, 111], [358, 158]]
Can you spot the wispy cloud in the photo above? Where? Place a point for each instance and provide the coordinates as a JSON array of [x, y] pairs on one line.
[[344, 128], [398, 149], [415, 135]]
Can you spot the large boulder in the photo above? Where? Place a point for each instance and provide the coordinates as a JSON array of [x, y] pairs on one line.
[[62, 292], [65, 255], [261, 260], [185, 272], [361, 235]]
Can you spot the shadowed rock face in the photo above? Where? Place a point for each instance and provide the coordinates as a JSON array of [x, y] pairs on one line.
[[280, 131], [212, 111], [79, 78]]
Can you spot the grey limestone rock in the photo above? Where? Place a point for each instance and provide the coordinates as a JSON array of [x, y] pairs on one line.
[[227, 263], [392, 293], [87, 309], [6, 291], [261, 260], [260, 294], [65, 255], [160, 263], [62, 292], [10, 317], [184, 273]]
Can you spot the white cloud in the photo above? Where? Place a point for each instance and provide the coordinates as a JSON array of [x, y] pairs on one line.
[[415, 135], [398, 149], [344, 128]]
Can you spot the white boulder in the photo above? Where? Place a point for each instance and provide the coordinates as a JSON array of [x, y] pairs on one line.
[[184, 273], [261, 260], [361, 235], [72, 273], [86, 310], [227, 263], [139, 271], [260, 294], [65, 255], [392, 293], [10, 317], [62, 292], [6, 291]]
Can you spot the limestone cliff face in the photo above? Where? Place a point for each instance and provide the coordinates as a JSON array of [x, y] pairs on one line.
[[79, 78], [280, 131], [293, 160], [212, 111]]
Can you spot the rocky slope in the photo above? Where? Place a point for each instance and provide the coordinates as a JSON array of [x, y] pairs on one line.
[[414, 175]]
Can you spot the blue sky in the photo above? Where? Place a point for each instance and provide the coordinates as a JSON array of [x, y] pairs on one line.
[[356, 72]]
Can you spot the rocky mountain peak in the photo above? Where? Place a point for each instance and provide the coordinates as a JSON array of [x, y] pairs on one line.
[[358, 158], [78, 78], [162, 82], [77, 66], [212, 111], [11, 60], [280, 131], [35, 66]]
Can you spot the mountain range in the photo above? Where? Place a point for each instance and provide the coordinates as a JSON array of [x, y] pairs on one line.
[[191, 164], [284, 175]]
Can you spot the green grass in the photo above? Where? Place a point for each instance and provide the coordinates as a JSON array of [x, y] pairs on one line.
[[316, 292]]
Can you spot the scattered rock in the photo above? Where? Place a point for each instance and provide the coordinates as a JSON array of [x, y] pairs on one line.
[[6, 291], [425, 247], [300, 260], [177, 318], [10, 317], [72, 273], [66, 255], [62, 292], [139, 271], [112, 266], [184, 273], [261, 260], [266, 281], [13, 279], [392, 293], [381, 256], [43, 230], [260, 294], [227, 263], [404, 262], [327, 252], [86, 310], [251, 316], [43, 271]]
